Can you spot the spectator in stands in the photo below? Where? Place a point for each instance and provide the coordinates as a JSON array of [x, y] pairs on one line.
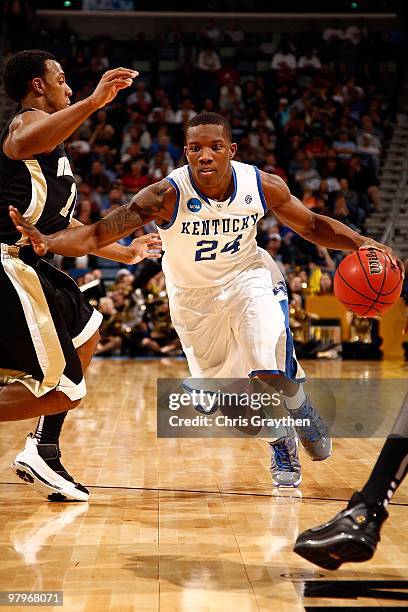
[[296, 162], [363, 179], [17, 15], [98, 179], [208, 60], [140, 95], [185, 112], [326, 284], [308, 177], [316, 148], [136, 134], [263, 121], [342, 213], [160, 166], [295, 286], [284, 60], [351, 91], [344, 146], [100, 60], [233, 33], [163, 143], [355, 33], [230, 95], [79, 146], [110, 330], [270, 165], [137, 178], [212, 32], [161, 337], [273, 244], [87, 212], [309, 198], [333, 32], [321, 266], [368, 148], [269, 44], [309, 61], [209, 106], [116, 198], [132, 153], [368, 127], [356, 212]]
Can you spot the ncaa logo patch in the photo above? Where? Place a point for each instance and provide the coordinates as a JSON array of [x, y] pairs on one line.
[[194, 205], [248, 199]]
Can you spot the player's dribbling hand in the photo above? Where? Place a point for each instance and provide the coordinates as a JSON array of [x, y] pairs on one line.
[[148, 245], [373, 244], [38, 241], [111, 82]]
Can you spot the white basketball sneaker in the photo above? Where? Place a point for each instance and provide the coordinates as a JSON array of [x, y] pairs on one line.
[[39, 465]]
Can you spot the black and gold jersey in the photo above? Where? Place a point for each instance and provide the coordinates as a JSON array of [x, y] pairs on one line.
[[42, 188]]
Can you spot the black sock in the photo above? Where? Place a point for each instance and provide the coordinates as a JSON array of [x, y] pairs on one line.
[[49, 428], [388, 472]]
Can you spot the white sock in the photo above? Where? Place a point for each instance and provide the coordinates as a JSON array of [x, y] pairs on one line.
[[295, 401]]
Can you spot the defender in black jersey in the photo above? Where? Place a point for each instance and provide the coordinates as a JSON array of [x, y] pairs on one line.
[[48, 330]]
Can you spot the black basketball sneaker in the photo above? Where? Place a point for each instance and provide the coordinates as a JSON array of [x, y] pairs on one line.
[[351, 536]]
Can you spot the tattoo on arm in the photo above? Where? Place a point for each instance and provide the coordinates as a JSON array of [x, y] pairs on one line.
[[144, 207]]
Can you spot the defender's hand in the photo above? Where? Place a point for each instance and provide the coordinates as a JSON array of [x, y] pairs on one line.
[[146, 246], [112, 82], [39, 242]]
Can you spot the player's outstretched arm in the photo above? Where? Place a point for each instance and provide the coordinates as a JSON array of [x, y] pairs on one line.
[[319, 229], [38, 132], [155, 202]]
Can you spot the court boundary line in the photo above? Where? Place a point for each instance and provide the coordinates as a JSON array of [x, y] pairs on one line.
[[161, 489]]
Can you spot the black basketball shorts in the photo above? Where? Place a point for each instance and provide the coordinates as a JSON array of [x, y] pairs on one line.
[[44, 318]]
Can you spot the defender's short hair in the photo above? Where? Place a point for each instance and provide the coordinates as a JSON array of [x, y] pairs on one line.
[[209, 119], [22, 68]]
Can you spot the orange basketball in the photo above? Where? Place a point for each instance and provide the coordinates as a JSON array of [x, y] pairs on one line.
[[367, 282]]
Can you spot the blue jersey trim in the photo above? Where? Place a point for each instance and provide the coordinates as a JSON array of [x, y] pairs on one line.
[[291, 363], [260, 190], [234, 193], [175, 211]]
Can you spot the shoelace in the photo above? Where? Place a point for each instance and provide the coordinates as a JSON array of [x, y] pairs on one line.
[[317, 428], [282, 457]]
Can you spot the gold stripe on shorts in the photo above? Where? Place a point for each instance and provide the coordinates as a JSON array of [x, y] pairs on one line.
[[39, 321], [38, 194]]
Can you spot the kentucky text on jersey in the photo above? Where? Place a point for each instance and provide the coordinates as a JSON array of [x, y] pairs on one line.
[[207, 227], [206, 242]]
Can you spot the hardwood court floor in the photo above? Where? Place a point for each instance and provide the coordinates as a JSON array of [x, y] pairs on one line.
[[190, 525]]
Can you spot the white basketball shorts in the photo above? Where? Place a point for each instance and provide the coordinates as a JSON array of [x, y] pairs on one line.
[[240, 329]]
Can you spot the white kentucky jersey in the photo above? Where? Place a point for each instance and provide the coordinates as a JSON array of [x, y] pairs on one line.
[[206, 243]]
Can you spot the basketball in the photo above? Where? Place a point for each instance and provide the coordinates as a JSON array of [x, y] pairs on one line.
[[367, 282]]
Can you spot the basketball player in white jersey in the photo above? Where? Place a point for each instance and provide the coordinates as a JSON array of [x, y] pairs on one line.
[[227, 297]]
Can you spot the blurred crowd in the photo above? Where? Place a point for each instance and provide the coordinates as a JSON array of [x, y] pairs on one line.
[[315, 107]]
